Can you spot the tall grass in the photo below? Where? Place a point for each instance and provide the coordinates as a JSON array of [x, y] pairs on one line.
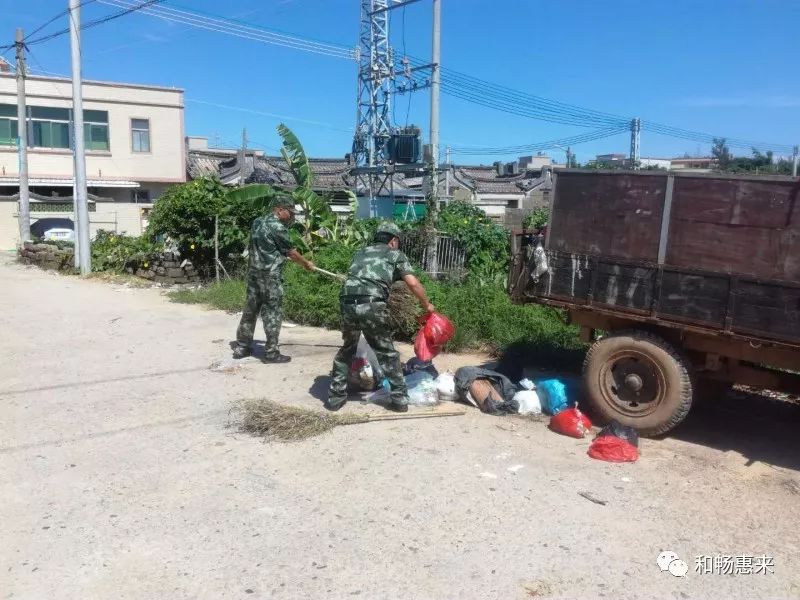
[[484, 317]]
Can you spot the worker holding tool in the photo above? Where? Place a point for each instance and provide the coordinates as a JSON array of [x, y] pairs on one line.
[[363, 303], [270, 246]]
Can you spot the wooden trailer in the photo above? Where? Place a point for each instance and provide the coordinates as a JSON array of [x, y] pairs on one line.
[[684, 282]]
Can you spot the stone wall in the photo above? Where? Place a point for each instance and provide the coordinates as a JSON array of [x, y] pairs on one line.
[[167, 268], [47, 256]]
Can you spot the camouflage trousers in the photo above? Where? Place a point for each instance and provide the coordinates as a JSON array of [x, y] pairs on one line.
[[264, 297], [371, 320]]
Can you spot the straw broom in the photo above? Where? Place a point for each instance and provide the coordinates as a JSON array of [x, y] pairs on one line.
[[291, 423]]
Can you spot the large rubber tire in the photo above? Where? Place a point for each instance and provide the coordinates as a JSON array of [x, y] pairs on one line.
[[638, 379]]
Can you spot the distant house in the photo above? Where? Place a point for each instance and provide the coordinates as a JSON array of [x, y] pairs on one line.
[[700, 164], [134, 151], [499, 190]]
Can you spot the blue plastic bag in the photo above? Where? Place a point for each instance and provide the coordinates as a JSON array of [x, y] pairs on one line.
[[553, 396]]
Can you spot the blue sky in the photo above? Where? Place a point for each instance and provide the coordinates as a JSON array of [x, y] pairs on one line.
[[727, 67]]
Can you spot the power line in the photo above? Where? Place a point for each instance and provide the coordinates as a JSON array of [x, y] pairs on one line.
[[91, 24], [547, 145], [229, 27]]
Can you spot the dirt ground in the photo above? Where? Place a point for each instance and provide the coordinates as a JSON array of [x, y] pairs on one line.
[[121, 477]]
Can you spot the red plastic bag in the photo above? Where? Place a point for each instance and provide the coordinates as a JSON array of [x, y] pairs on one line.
[[435, 332], [571, 422], [613, 449]]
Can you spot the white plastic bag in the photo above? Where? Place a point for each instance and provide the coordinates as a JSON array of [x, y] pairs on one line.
[[446, 387], [421, 389], [529, 403], [527, 384]]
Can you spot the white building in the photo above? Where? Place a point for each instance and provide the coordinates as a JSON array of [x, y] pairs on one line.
[[135, 150]]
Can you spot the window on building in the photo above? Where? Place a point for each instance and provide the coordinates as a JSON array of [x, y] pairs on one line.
[[140, 196], [8, 125], [140, 135], [49, 127], [95, 129]]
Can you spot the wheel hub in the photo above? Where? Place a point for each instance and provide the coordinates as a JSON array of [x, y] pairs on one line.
[[632, 383]]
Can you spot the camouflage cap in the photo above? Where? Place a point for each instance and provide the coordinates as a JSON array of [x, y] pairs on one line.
[[284, 201], [390, 228]]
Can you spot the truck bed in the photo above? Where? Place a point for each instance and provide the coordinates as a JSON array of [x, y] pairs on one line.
[[716, 252]]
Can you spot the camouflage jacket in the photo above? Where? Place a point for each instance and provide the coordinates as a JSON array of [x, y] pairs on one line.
[[373, 271], [269, 245]]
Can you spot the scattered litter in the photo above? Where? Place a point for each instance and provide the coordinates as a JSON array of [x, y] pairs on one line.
[[592, 498], [228, 366], [365, 372], [616, 443], [571, 422], [553, 396], [289, 325], [446, 387], [527, 384], [115, 319], [528, 400], [490, 391], [626, 479], [415, 364], [435, 332], [421, 389], [488, 475], [515, 468]]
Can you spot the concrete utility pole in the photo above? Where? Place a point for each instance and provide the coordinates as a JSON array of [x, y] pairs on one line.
[[636, 128], [80, 196], [794, 161], [24, 217], [433, 206]]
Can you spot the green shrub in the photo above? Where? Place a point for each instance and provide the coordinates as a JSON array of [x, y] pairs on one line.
[[114, 252], [537, 219], [486, 243], [483, 315], [186, 212]]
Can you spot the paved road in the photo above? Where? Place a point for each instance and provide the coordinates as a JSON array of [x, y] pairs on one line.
[[122, 479]]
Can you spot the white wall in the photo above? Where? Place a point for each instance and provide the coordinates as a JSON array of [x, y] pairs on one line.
[[162, 106], [112, 216]]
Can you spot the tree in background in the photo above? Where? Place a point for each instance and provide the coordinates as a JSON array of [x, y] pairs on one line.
[[722, 153]]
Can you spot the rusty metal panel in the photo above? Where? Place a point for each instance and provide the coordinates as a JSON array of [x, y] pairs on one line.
[[624, 286], [608, 215], [767, 309], [750, 227], [693, 297]]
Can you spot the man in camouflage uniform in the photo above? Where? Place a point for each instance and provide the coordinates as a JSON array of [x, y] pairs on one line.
[[363, 302], [269, 248]]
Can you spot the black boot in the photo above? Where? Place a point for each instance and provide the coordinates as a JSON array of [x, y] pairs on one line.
[[398, 408], [242, 352], [277, 358], [334, 405]]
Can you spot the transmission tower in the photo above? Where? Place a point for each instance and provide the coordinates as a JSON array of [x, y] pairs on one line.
[[636, 128], [376, 85], [375, 88]]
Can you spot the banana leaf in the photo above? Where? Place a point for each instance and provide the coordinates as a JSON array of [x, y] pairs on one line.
[[258, 193], [295, 157]]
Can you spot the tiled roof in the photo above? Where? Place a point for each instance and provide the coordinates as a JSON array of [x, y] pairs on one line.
[[334, 174]]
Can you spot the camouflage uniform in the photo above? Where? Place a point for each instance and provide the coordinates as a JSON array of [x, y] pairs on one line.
[[269, 245], [365, 311]]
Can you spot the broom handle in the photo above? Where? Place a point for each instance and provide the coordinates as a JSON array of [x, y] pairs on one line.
[[421, 415], [330, 274]]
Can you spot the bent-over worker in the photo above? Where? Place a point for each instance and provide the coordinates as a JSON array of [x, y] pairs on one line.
[[270, 246], [363, 303]]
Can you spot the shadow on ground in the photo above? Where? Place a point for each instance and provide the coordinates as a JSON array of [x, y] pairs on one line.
[[759, 427]]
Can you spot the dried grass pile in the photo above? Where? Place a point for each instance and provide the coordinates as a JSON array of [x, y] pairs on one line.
[[403, 310], [289, 423]]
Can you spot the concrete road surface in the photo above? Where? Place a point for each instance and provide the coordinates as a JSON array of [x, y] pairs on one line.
[[121, 478]]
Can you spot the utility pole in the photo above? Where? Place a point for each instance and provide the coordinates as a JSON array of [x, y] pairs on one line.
[[433, 205], [794, 161], [80, 195], [447, 160], [24, 213], [243, 157], [636, 128]]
